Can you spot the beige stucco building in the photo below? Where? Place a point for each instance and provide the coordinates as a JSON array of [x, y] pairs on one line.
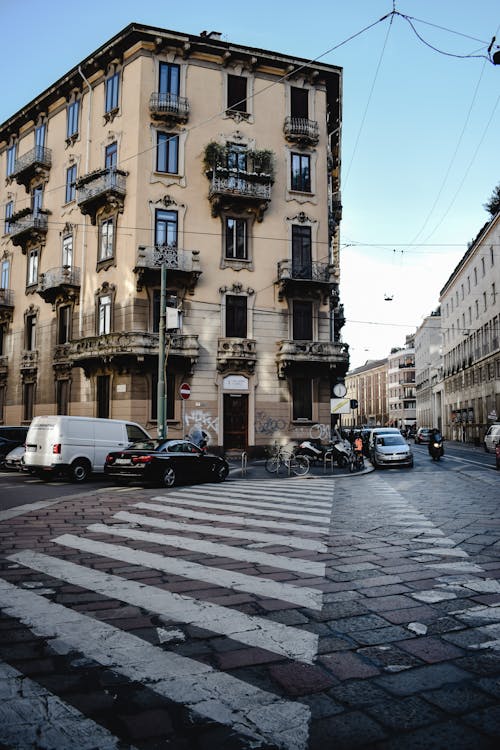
[[221, 161], [368, 386], [429, 372], [401, 394]]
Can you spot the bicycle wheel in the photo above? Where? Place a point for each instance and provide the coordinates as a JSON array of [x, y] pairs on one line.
[[299, 465], [272, 464]]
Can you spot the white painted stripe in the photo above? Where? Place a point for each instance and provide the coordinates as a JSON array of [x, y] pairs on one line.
[[265, 587], [255, 631], [295, 542], [243, 508], [290, 497], [31, 717], [239, 520], [214, 695], [233, 552], [20, 510], [249, 502]]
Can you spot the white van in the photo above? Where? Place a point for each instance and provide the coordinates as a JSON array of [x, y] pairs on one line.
[[492, 437], [76, 445]]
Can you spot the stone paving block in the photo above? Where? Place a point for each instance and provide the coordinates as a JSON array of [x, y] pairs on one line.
[[381, 635], [405, 714], [419, 679], [347, 666], [459, 699], [356, 694], [386, 603], [329, 644], [431, 649], [483, 664], [301, 679], [345, 732], [389, 657], [486, 720], [332, 610], [245, 657], [361, 622], [148, 724], [422, 613], [442, 736]]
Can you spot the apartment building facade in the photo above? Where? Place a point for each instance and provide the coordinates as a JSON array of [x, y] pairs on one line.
[[429, 372], [219, 163], [368, 386], [401, 394], [470, 311]]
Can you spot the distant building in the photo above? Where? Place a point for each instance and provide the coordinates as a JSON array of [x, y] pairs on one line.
[[401, 396], [429, 372], [368, 386], [220, 162], [470, 314]]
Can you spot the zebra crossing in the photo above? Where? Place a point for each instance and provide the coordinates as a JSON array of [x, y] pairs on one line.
[[263, 531]]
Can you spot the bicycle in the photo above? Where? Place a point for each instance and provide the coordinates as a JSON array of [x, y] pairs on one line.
[[298, 465]]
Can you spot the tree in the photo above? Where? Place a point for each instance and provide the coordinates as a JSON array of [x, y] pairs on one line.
[[493, 205]]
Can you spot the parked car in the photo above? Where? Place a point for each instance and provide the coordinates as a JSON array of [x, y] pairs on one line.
[[391, 450], [165, 462], [423, 435], [379, 431], [76, 446], [10, 438], [15, 459], [492, 437]]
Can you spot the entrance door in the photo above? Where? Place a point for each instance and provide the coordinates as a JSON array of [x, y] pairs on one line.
[[235, 421]]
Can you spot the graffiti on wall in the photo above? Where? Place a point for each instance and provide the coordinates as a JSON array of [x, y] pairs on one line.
[[204, 421], [266, 424]]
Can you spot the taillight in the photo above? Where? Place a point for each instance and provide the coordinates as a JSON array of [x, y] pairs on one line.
[[110, 459], [56, 448], [142, 459]]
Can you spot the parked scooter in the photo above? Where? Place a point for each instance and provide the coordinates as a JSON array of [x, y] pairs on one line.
[[436, 449], [314, 450]]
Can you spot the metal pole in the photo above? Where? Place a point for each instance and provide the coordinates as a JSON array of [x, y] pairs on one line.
[[162, 362]]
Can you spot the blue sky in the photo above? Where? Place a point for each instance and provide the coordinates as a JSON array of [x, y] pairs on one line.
[[420, 143]]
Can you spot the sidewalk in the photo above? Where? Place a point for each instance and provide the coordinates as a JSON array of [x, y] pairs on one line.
[[257, 470]]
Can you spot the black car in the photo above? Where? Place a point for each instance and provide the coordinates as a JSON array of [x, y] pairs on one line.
[[10, 438], [165, 462]]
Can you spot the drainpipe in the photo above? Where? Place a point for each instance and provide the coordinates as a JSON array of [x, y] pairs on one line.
[[84, 230]]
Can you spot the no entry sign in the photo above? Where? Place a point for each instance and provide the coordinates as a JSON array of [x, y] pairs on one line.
[[185, 391]]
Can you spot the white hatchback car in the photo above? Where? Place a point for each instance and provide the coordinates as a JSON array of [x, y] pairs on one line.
[[390, 449], [492, 437]]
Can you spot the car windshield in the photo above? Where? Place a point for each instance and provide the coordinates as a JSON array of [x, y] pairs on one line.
[[146, 445], [390, 440]]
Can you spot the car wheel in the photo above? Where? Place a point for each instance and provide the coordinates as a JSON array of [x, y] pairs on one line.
[[80, 470], [169, 477], [221, 473]]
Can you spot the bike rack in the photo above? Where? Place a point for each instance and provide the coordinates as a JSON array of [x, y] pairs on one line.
[[328, 460], [244, 462]]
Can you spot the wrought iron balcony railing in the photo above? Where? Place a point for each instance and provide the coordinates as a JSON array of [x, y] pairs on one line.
[[36, 161], [6, 298], [301, 129], [30, 226], [183, 265], [240, 184], [100, 188], [166, 105]]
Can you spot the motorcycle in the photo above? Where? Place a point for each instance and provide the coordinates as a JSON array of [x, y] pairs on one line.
[[314, 451], [436, 449]]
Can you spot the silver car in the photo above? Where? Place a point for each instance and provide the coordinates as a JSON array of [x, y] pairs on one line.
[[390, 449]]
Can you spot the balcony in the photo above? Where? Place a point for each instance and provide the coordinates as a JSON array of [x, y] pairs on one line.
[[168, 108], [233, 190], [312, 357], [127, 350], [236, 354], [305, 279], [301, 130], [36, 163], [6, 305], [102, 188], [59, 283], [27, 226], [4, 366], [183, 266]]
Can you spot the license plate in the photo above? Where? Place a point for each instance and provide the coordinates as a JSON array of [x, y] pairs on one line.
[[30, 449], [122, 461]]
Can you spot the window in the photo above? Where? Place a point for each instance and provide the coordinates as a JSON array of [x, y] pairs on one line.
[[102, 396], [70, 184], [62, 396], [112, 92], [11, 159], [301, 252], [64, 324], [9, 210], [167, 153], [67, 250], [104, 315], [30, 332], [40, 133], [106, 239], [302, 321], [302, 399], [235, 234], [485, 303], [492, 256], [301, 173], [299, 102], [172, 302], [475, 276], [236, 316], [169, 79], [165, 227], [72, 112], [111, 156], [483, 267], [4, 274], [236, 157], [32, 274], [37, 200], [28, 401], [237, 93]]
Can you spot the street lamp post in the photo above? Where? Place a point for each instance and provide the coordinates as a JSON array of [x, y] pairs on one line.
[[166, 257]]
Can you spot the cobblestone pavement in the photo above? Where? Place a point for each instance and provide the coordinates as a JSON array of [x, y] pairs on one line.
[[302, 614]]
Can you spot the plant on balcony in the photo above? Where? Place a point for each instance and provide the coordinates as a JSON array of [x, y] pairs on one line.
[[260, 164]]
